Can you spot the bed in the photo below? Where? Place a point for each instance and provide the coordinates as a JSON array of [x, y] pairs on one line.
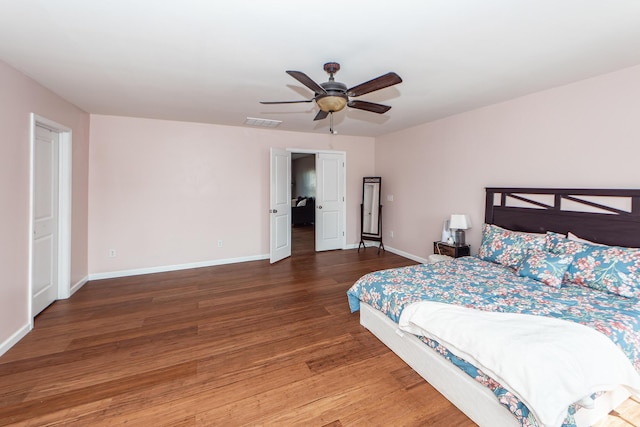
[[534, 273]]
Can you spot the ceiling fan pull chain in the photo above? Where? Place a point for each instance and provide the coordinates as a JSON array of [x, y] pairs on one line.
[[331, 123]]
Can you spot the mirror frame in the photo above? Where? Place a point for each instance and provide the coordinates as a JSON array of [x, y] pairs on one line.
[[377, 208]]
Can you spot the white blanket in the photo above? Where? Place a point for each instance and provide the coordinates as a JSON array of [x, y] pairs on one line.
[[548, 363]]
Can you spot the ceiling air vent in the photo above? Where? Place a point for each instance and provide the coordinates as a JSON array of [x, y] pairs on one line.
[[265, 123]]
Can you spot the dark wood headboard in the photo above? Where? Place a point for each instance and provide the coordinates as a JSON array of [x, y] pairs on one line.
[[608, 216]]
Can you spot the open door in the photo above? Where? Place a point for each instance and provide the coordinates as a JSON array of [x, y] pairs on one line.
[[330, 201], [50, 222], [280, 205], [44, 288]]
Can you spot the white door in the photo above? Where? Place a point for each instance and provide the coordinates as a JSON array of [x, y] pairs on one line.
[[45, 219], [329, 201], [280, 205]]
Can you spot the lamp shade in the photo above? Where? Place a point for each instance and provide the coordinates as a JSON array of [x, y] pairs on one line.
[[459, 222], [331, 103]]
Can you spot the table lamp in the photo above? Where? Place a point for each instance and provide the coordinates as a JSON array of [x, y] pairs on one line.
[[459, 223]]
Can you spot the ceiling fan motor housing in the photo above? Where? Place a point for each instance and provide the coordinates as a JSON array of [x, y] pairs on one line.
[[335, 99], [331, 67]]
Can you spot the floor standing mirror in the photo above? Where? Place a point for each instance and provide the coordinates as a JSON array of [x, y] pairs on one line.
[[371, 212]]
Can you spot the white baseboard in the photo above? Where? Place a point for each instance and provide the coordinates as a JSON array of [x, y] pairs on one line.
[[13, 339], [78, 285], [23, 331], [406, 255], [390, 249], [165, 268]]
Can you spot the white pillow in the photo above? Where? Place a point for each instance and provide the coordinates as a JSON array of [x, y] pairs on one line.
[[575, 238], [438, 258], [302, 202]]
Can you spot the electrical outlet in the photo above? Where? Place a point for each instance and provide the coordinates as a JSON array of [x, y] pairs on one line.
[[390, 198], [112, 253], [219, 243], [391, 234]]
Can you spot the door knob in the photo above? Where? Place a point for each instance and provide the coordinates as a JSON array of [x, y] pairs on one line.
[[320, 207]]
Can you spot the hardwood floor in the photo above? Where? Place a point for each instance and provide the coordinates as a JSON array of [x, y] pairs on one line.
[[240, 344]]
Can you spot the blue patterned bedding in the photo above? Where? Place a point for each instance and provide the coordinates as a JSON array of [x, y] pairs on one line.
[[483, 285]]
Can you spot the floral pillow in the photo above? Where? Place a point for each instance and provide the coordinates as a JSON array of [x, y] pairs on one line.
[[507, 247], [611, 269], [558, 244], [545, 267]]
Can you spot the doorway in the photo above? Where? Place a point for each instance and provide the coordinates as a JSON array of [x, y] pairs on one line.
[[329, 215], [50, 223], [303, 197]]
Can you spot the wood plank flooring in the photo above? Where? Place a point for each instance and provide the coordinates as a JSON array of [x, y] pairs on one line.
[[240, 344]]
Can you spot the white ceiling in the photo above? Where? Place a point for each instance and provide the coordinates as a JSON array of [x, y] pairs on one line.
[[212, 61]]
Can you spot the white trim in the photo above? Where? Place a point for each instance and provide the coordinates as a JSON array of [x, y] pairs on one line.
[[212, 263], [312, 151], [78, 285], [163, 269], [13, 339], [344, 201], [406, 255], [393, 251], [32, 138], [64, 214], [64, 205]]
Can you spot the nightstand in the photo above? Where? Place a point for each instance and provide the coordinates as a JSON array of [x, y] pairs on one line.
[[444, 248]]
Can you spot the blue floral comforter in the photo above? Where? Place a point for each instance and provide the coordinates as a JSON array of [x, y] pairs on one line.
[[482, 285]]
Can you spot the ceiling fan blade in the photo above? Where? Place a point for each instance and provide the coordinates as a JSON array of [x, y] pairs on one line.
[[321, 115], [306, 80], [369, 106], [285, 102], [378, 83]]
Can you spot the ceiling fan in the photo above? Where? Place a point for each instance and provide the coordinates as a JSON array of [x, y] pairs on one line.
[[333, 96]]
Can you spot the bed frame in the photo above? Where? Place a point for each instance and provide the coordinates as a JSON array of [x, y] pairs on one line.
[[601, 215], [611, 217]]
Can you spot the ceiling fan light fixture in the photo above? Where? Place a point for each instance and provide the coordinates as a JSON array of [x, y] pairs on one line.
[[332, 96], [331, 103]]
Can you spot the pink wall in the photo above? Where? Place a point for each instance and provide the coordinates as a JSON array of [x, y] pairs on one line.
[[20, 97], [585, 134], [162, 193]]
